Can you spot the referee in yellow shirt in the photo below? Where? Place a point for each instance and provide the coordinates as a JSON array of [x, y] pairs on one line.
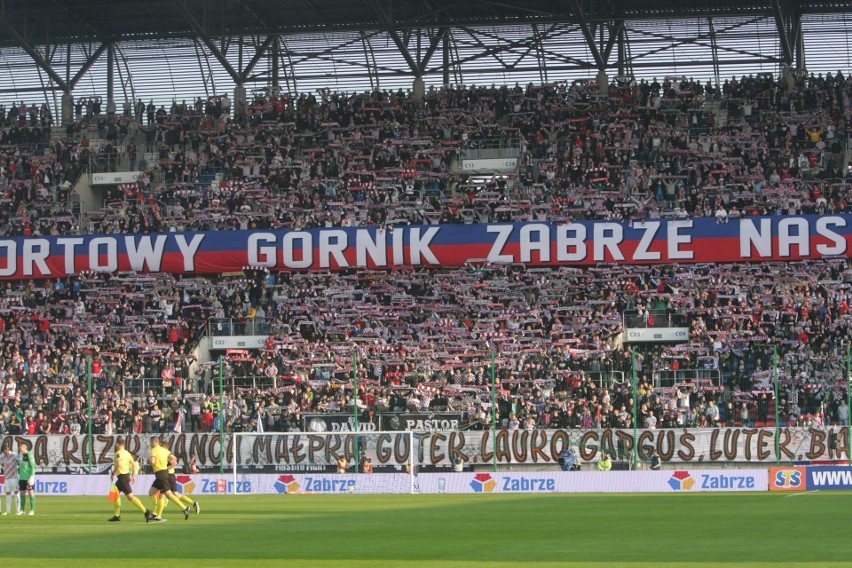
[[124, 470], [173, 486], [160, 465]]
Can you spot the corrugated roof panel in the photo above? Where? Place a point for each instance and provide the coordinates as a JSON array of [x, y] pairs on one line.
[[164, 69]]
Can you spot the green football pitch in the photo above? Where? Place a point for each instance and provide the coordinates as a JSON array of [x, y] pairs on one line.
[[452, 531]]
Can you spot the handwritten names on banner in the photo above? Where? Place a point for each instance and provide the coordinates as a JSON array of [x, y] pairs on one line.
[[305, 450]]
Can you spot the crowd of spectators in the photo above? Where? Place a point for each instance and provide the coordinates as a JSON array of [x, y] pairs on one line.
[[648, 150], [422, 340]]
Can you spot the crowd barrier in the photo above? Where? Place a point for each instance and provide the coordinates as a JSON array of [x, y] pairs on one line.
[[792, 478], [669, 481]]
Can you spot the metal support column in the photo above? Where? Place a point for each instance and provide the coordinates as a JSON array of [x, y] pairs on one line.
[[446, 63], [635, 389], [714, 51], [799, 39], [355, 409], [777, 402], [494, 408], [276, 61], [110, 74]]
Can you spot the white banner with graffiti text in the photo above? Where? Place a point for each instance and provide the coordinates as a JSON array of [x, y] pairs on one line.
[[668, 481], [309, 452]]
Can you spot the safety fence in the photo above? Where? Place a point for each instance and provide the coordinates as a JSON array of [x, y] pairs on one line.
[[683, 481]]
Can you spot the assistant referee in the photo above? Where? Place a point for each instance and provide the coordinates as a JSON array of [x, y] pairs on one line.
[[124, 470]]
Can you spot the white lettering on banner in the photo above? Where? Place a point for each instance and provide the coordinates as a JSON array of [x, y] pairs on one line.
[[540, 244], [649, 233], [676, 239], [760, 239], [261, 255], [788, 238], [307, 249], [189, 250], [830, 478], [398, 238], [608, 237], [792, 232], [564, 243], [332, 244], [375, 247], [36, 252], [419, 246], [11, 256], [822, 228], [431, 425], [109, 246], [503, 233], [145, 255], [70, 245]]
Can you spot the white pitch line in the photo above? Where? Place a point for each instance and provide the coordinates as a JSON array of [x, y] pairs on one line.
[[803, 493]]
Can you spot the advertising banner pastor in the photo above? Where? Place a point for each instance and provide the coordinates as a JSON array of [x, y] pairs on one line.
[[421, 422], [536, 244], [678, 481], [307, 451]]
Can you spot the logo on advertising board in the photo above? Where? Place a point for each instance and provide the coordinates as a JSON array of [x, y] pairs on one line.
[[286, 484], [681, 481], [185, 485], [835, 477], [483, 483], [788, 479], [727, 481]]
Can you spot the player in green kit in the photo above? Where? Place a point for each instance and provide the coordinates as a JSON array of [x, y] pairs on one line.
[[26, 477]]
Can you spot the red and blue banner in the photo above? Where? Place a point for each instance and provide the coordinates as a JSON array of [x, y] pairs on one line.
[[581, 243]]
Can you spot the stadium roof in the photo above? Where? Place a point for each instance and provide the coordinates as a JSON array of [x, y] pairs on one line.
[[161, 49], [61, 21]]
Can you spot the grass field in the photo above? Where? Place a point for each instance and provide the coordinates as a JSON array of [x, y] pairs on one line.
[[420, 531]]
